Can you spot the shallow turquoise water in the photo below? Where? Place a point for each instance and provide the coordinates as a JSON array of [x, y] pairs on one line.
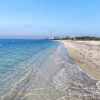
[[18, 58], [41, 70]]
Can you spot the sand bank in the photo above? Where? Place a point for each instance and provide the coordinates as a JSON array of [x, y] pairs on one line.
[[85, 54]]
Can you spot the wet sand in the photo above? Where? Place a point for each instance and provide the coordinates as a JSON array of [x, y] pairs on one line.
[[85, 54]]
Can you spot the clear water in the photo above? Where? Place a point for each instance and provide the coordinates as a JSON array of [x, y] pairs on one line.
[[32, 70]]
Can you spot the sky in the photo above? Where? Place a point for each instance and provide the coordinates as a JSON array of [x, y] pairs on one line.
[[38, 18]]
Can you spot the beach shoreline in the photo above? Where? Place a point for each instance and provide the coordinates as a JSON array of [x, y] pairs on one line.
[[86, 55], [47, 73]]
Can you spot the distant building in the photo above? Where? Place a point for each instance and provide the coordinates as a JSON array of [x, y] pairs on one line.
[[72, 38]]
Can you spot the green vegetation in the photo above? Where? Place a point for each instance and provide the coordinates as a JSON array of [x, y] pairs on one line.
[[85, 38], [88, 38]]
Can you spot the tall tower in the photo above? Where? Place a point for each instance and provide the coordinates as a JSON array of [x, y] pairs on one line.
[[51, 36]]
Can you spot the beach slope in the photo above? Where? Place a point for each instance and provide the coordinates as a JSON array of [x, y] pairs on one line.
[[85, 54]]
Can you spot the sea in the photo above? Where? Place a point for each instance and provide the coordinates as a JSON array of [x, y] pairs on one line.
[[42, 70]]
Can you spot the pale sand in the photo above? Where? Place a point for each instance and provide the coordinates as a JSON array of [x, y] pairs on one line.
[[85, 54]]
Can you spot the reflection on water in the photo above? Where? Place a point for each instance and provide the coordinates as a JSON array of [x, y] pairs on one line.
[[47, 75]]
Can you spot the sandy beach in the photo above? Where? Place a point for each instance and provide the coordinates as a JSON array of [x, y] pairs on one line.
[[85, 54]]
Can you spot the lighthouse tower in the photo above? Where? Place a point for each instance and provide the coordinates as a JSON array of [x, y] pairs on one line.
[[51, 36]]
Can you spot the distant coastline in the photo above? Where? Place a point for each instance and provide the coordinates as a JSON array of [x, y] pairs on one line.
[[81, 38]]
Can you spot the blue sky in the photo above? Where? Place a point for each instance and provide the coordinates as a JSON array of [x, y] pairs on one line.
[[39, 17]]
